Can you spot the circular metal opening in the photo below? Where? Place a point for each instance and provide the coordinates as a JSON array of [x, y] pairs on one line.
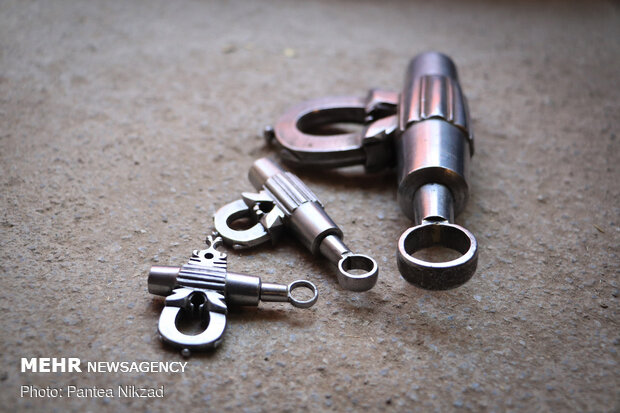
[[302, 303], [428, 272], [192, 320], [357, 272], [435, 242], [357, 265], [241, 221]]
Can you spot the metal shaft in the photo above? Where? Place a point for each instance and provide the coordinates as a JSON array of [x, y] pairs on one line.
[[302, 209], [304, 214], [434, 144], [239, 289], [433, 203]]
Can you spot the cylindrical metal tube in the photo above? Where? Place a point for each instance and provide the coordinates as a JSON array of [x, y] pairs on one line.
[[261, 170], [239, 289], [432, 151], [242, 289], [434, 140], [433, 203], [312, 225], [432, 90], [302, 209], [162, 279], [333, 248], [274, 292]]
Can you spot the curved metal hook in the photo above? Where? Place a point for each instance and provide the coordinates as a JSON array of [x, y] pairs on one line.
[[255, 235], [308, 149], [344, 149], [210, 337]]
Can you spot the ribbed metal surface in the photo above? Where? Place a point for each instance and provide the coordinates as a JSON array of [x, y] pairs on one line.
[[436, 96], [289, 192], [203, 273]]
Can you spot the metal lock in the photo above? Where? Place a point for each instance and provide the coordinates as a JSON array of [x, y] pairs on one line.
[[425, 133], [285, 202], [203, 287]]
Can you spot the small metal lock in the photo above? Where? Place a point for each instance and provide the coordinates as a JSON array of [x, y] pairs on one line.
[[285, 202], [203, 287]]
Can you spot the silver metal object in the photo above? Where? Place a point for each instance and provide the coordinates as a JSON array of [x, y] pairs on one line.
[[284, 201], [425, 133], [203, 287]]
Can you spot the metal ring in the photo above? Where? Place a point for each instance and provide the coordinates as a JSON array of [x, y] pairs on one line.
[[362, 281], [437, 275], [302, 303]]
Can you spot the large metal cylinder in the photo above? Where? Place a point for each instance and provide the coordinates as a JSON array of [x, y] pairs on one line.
[[434, 143], [432, 151]]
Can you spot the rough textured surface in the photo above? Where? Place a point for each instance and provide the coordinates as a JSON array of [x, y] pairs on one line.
[[125, 125]]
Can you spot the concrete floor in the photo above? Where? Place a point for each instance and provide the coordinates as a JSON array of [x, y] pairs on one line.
[[125, 125]]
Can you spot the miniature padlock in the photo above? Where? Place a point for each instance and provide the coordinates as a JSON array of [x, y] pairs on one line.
[[285, 202], [203, 287]]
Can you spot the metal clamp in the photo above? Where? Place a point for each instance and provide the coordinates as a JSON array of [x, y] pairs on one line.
[[284, 201], [425, 132], [202, 287]]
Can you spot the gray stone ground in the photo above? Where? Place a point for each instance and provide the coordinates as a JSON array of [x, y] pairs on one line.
[[125, 125]]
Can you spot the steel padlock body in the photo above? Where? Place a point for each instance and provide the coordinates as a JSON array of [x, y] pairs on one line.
[[425, 132], [435, 142]]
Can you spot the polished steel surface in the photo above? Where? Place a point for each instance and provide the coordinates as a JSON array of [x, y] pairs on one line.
[[255, 235], [203, 287], [299, 146], [432, 90], [432, 151], [433, 203], [425, 133], [284, 201], [434, 146]]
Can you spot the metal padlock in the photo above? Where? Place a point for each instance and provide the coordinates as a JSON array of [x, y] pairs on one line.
[[285, 202], [203, 287], [425, 133]]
